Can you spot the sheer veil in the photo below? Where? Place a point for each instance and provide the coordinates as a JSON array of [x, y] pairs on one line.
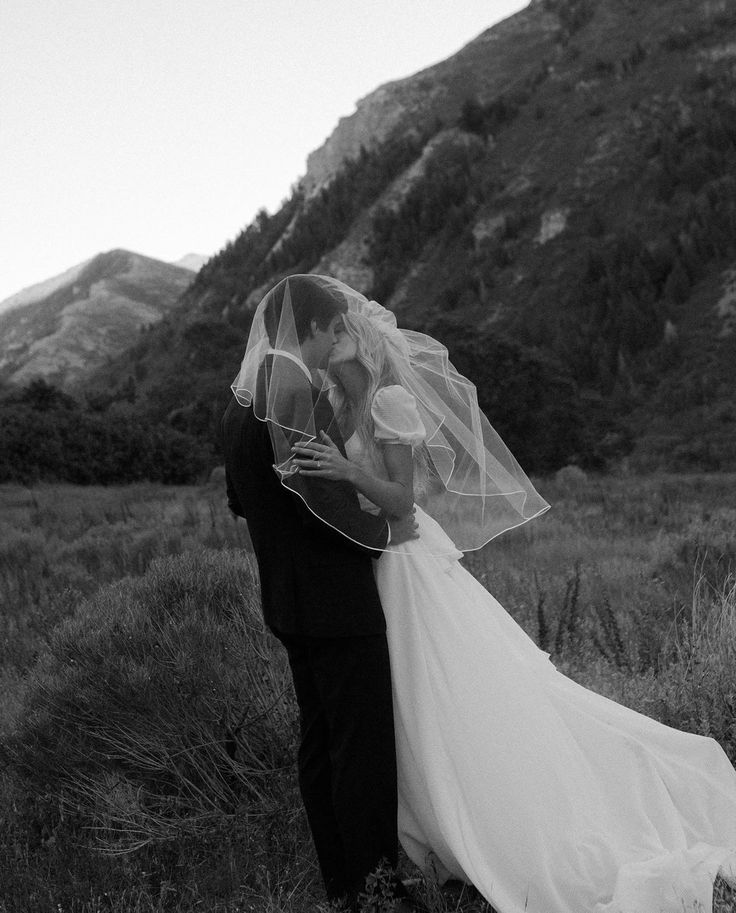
[[475, 488]]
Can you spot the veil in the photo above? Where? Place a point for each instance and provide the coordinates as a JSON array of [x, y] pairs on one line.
[[475, 488]]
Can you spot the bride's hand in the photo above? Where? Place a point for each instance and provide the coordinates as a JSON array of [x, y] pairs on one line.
[[323, 460]]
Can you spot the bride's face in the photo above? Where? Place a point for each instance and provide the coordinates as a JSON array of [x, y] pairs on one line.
[[345, 347]]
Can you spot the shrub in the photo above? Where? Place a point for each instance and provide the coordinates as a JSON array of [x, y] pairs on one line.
[[167, 686], [160, 725], [53, 442]]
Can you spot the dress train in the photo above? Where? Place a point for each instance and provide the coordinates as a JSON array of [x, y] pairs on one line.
[[546, 796]]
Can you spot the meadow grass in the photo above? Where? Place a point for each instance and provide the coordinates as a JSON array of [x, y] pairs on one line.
[[147, 724], [60, 543]]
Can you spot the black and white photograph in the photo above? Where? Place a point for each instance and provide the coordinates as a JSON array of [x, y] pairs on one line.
[[368, 456]]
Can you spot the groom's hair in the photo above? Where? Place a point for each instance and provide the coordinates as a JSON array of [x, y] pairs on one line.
[[309, 301]]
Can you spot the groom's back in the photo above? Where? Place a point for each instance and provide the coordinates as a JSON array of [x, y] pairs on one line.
[[313, 581]]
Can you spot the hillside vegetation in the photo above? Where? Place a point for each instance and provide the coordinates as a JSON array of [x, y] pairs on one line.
[[47, 435], [563, 219]]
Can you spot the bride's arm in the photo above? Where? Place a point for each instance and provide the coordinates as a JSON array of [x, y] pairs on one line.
[[395, 495]]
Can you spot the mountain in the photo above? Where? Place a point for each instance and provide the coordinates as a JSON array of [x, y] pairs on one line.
[[193, 262], [63, 329], [499, 60], [556, 202], [41, 290]]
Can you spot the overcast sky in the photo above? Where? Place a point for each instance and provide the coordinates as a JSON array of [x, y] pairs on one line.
[[162, 126]]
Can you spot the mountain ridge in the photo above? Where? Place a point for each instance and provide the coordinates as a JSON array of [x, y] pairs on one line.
[[42, 289], [564, 221], [572, 206], [62, 329], [435, 92]]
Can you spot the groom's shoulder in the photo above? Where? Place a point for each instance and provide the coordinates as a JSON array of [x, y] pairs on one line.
[[234, 416], [278, 363], [285, 378]]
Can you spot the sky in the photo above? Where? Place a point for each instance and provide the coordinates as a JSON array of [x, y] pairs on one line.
[[163, 126]]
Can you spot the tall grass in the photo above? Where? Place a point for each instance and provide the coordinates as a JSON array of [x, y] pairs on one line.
[[158, 727], [60, 543], [147, 725]]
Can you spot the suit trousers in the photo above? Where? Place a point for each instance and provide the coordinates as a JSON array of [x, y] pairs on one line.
[[347, 756]]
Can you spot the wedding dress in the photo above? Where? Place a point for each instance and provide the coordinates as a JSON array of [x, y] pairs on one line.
[[546, 796]]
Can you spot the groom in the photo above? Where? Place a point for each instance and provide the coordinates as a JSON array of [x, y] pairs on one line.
[[319, 598]]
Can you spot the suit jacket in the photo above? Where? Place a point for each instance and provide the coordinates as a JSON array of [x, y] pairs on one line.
[[314, 580]]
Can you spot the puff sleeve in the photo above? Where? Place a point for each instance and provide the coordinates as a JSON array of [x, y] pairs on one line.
[[396, 417]]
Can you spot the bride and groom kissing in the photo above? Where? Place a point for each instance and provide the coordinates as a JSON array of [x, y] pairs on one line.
[[428, 717]]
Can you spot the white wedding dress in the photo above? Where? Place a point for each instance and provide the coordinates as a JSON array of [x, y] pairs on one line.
[[546, 796]]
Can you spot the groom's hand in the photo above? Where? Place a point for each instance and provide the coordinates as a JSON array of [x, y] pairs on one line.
[[403, 529]]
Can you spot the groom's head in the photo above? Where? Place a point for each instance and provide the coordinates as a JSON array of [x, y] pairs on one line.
[[301, 310]]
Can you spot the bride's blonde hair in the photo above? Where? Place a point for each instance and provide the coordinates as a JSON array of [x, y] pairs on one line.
[[381, 361]]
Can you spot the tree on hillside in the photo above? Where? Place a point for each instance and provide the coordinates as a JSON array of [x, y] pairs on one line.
[[42, 396], [529, 397]]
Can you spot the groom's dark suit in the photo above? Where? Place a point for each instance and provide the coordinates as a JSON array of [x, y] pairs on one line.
[[320, 599]]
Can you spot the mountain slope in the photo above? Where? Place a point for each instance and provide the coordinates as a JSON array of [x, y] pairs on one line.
[[64, 329], [193, 262], [40, 290], [557, 202], [499, 60]]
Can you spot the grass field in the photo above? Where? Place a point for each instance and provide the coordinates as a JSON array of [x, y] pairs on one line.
[[147, 725]]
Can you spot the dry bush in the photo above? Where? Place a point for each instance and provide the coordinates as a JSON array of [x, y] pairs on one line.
[[160, 726]]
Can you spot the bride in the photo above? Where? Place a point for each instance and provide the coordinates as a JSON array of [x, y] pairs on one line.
[[548, 797]]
